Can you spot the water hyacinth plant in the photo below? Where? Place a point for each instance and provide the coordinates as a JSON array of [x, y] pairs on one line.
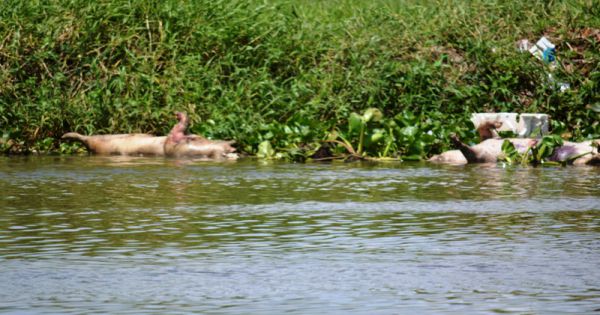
[[404, 136], [538, 154], [364, 134]]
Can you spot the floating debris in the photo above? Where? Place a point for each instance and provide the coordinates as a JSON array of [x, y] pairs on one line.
[[544, 50]]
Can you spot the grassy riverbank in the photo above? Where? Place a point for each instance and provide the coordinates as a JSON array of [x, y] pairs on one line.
[[291, 72]]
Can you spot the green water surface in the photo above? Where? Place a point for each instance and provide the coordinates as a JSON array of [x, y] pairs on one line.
[[85, 234]]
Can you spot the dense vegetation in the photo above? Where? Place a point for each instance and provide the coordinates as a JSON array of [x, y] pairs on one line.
[[281, 76]]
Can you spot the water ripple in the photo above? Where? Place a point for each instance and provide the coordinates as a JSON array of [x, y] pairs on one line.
[[137, 235]]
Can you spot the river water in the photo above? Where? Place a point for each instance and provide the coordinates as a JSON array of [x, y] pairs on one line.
[[84, 234]]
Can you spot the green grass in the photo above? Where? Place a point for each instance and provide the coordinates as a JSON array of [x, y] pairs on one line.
[[288, 72]]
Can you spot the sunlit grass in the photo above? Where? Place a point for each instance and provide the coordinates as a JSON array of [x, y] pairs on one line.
[[287, 72]]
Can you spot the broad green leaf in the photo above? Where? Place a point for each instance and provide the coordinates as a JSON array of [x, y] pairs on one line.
[[355, 122], [333, 135], [372, 114], [265, 150], [409, 131], [377, 136]]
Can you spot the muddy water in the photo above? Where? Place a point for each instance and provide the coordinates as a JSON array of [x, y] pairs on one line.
[[133, 235]]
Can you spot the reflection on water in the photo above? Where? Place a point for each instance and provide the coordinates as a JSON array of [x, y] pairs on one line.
[[118, 235]]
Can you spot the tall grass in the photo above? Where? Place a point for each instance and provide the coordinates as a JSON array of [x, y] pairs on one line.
[[287, 71]]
